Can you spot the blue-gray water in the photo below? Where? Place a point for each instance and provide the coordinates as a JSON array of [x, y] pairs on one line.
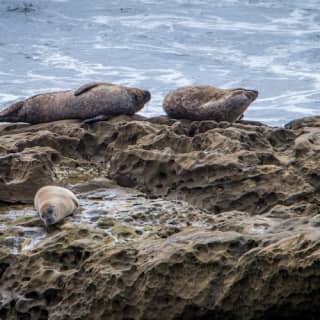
[[271, 45]]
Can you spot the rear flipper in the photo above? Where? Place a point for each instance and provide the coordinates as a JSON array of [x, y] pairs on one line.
[[11, 114], [101, 117]]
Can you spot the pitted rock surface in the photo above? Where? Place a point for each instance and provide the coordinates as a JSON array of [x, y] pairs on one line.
[[201, 220]]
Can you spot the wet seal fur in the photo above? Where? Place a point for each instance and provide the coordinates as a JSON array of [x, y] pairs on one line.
[[91, 102], [208, 103], [54, 204]]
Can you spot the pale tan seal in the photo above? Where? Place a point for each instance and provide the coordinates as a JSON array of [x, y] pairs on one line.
[[208, 103], [54, 204], [91, 102]]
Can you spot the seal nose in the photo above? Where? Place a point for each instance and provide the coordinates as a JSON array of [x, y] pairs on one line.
[[146, 95], [253, 94], [49, 220], [49, 217]]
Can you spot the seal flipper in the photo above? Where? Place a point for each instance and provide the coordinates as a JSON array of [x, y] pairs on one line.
[[101, 117], [251, 122], [11, 114], [9, 119], [76, 203], [86, 87]]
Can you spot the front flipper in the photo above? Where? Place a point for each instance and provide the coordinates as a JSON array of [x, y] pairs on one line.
[[88, 86], [9, 119], [251, 122], [96, 119], [76, 203]]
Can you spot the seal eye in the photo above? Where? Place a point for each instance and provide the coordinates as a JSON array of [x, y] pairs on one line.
[[136, 99]]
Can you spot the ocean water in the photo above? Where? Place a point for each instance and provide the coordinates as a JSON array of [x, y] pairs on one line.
[[272, 46]]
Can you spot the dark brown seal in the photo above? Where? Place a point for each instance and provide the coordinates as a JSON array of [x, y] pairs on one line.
[[208, 103], [91, 102]]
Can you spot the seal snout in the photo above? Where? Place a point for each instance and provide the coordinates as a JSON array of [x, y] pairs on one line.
[[146, 96], [252, 94], [48, 216], [141, 97]]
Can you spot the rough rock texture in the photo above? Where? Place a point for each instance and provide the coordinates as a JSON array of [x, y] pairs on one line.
[[210, 221]]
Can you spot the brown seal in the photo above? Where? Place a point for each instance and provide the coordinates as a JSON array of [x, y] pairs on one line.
[[54, 204], [91, 102], [208, 103]]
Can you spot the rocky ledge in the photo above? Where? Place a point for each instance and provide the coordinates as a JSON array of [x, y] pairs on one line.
[[178, 220]]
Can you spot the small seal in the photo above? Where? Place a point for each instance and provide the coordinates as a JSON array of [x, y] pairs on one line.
[[208, 103], [91, 102], [54, 204]]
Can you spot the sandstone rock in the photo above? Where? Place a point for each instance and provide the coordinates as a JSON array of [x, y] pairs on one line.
[[214, 166], [222, 221]]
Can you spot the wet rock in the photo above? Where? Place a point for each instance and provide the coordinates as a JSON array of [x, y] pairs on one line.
[[214, 166], [211, 221], [22, 173], [218, 167]]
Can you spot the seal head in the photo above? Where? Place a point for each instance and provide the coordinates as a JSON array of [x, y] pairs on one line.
[[48, 215], [238, 102], [142, 97]]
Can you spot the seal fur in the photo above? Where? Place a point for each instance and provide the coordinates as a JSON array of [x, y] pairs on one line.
[[91, 102], [54, 204], [208, 103]]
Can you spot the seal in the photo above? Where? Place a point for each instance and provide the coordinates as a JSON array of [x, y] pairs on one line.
[[208, 103], [54, 204], [91, 102]]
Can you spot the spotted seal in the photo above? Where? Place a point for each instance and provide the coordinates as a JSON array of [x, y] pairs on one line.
[[54, 204], [208, 103], [91, 102]]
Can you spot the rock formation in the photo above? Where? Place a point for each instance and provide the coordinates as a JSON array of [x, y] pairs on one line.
[[178, 220]]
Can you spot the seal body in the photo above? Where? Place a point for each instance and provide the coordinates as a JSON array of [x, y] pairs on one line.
[[98, 100], [54, 204], [208, 103]]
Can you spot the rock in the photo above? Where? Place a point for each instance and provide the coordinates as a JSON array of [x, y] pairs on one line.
[[212, 221], [22, 173], [216, 168], [213, 166]]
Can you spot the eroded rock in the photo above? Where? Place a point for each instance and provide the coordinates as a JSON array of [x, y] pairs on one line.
[[213, 220]]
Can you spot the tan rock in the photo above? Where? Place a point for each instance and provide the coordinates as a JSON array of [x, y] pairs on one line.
[[223, 222]]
